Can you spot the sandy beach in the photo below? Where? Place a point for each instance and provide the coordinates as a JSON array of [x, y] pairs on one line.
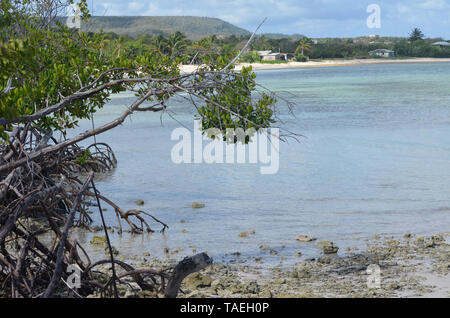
[[263, 66]]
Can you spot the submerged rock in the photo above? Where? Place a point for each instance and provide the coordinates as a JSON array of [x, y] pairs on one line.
[[246, 233], [305, 238], [437, 238], [328, 247], [196, 205], [114, 251], [98, 240], [321, 244]]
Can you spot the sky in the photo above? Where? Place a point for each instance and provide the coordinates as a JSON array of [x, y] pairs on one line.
[[313, 18]]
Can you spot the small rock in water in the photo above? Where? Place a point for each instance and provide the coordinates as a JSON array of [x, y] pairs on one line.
[[140, 202], [196, 205], [328, 247], [246, 233], [437, 238], [98, 240], [321, 244], [305, 238], [114, 251]]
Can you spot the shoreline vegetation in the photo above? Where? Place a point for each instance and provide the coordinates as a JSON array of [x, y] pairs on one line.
[[324, 63]]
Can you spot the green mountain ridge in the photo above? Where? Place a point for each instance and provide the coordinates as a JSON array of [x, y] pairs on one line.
[[193, 27]]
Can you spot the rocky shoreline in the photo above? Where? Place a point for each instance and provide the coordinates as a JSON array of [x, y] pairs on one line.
[[413, 266]]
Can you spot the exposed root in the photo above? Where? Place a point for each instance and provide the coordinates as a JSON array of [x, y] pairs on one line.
[[39, 198]]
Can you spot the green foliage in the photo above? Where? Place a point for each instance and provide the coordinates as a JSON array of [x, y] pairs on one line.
[[83, 158], [415, 35], [250, 57], [274, 62], [46, 63], [239, 109], [304, 46], [301, 58]]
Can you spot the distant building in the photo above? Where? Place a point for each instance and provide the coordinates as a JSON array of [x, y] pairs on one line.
[[261, 54], [269, 56], [383, 53], [287, 56], [441, 44]]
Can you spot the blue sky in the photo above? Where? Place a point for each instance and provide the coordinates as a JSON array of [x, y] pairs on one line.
[[314, 18]]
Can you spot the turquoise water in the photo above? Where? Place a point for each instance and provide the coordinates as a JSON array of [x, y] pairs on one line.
[[374, 160]]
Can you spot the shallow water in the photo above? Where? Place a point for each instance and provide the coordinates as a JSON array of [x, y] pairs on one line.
[[375, 159]]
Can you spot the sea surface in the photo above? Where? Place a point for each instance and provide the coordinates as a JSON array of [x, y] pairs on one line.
[[374, 159]]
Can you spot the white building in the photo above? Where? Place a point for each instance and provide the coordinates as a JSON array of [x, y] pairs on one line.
[[383, 53]]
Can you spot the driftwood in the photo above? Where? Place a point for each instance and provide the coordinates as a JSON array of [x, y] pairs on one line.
[[186, 267]]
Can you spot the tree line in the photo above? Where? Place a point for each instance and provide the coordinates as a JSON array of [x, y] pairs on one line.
[[206, 50]]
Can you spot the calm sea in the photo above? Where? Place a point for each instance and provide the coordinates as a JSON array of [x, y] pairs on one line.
[[374, 159]]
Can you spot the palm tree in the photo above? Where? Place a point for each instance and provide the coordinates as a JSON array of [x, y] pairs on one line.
[[176, 43], [303, 46], [103, 45], [159, 44], [416, 34], [120, 45]]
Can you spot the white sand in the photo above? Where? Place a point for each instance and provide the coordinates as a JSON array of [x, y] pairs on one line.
[[261, 66]]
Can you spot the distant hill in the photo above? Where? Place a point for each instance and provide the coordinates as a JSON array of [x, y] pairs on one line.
[[277, 36], [194, 27]]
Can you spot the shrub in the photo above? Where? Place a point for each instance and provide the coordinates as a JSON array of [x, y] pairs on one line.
[[301, 58]]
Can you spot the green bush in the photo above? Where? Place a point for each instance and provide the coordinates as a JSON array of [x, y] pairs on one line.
[[301, 58], [250, 57]]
